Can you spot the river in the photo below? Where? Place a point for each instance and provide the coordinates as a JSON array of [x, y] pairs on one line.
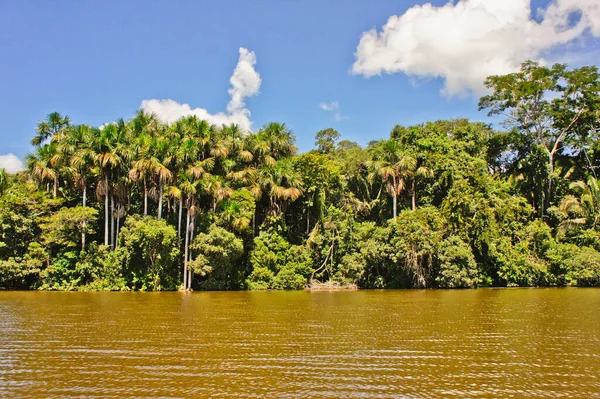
[[487, 343]]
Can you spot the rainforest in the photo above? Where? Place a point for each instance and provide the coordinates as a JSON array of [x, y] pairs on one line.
[[139, 204]]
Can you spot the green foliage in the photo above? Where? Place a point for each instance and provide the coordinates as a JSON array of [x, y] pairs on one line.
[[413, 245], [23, 272], [572, 265], [516, 265], [277, 264], [236, 213], [325, 140], [64, 228], [458, 268], [148, 253], [218, 253], [471, 206]]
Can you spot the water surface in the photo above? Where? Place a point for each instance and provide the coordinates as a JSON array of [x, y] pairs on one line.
[[542, 343]]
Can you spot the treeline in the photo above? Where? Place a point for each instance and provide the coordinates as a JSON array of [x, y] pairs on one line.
[[143, 205]]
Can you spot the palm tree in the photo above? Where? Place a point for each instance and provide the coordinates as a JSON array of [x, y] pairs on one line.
[[163, 157], [189, 187], [54, 124], [413, 175], [282, 183], [394, 166], [81, 156], [107, 158], [41, 166], [217, 187], [586, 208], [176, 193], [142, 165]]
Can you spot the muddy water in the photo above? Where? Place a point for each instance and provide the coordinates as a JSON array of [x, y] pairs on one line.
[[369, 344]]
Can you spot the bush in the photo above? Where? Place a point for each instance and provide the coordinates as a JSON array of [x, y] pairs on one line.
[[148, 253], [218, 253], [575, 266], [278, 265], [517, 265], [458, 268]]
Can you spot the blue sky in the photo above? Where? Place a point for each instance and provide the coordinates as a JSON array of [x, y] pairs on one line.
[[97, 61]]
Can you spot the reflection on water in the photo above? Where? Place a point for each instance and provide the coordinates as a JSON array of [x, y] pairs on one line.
[[369, 344]]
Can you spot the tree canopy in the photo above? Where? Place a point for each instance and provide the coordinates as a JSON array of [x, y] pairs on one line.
[[140, 204]]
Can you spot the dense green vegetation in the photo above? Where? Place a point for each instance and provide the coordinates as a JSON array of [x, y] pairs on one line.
[[142, 205]]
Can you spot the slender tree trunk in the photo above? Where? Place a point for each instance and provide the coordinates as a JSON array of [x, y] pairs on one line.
[[84, 193], [118, 223], [190, 253], [106, 211], [83, 236], [414, 196], [185, 250], [84, 223], [55, 190], [546, 203], [307, 219], [179, 220], [112, 221], [145, 198], [394, 205], [160, 201]]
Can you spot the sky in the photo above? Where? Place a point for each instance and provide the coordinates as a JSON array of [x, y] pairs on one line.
[[358, 66]]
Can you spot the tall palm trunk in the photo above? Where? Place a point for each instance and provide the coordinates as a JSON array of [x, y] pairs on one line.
[[118, 223], [145, 198], [84, 223], [190, 253], [395, 202], [84, 193], [106, 211], [179, 222], [414, 196], [548, 193], [55, 190], [83, 236], [185, 250], [160, 200], [112, 221]]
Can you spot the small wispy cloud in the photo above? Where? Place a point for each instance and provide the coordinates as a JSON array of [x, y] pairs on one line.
[[334, 108]]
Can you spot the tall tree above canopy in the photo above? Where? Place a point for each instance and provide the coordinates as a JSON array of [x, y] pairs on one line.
[[554, 107], [54, 124], [394, 165], [325, 140]]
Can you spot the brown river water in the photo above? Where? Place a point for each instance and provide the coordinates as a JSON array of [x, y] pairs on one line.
[[487, 343]]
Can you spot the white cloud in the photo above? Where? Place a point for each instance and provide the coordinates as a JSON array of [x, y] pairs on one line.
[[245, 82], [329, 106], [11, 163], [463, 43], [334, 108]]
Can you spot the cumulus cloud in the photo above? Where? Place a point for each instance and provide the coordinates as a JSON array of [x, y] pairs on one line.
[[334, 108], [11, 163], [463, 43], [245, 82]]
